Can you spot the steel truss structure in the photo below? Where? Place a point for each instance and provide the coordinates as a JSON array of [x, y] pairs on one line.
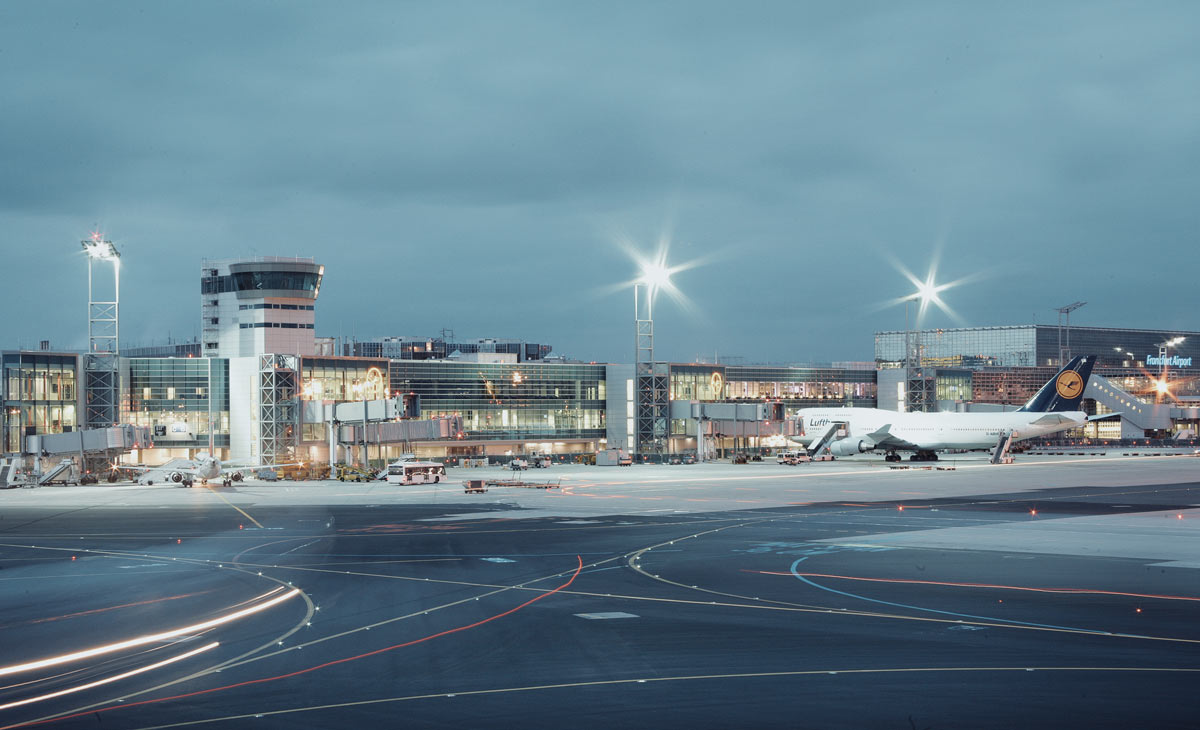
[[277, 405], [652, 393], [102, 378]]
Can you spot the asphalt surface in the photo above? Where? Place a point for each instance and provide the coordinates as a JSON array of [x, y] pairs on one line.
[[474, 614]]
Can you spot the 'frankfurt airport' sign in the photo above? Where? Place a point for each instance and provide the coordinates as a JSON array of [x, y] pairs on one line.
[[1174, 361]]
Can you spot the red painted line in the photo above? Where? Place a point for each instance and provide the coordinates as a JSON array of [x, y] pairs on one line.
[[343, 660]]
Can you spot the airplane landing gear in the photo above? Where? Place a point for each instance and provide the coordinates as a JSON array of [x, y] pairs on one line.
[[923, 456], [891, 456]]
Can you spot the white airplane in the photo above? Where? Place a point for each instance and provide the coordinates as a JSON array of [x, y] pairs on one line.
[[1055, 407], [204, 467]]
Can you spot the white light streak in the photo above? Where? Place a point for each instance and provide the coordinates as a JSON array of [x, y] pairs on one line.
[[149, 638], [114, 678]]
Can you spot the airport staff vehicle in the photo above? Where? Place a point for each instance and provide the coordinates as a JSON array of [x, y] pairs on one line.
[[415, 472], [1057, 406], [793, 457], [351, 473], [613, 457]]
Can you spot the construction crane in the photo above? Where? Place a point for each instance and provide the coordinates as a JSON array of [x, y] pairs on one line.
[[1064, 354]]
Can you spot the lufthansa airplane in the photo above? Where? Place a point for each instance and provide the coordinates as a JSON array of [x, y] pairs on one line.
[[1056, 407], [204, 467]]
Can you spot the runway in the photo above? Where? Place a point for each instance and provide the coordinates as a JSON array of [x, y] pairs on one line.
[[1060, 592]]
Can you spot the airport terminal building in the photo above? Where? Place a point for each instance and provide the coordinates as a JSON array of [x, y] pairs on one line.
[[259, 384], [1150, 376]]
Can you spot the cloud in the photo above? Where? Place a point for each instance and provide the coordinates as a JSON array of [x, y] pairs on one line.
[[464, 164]]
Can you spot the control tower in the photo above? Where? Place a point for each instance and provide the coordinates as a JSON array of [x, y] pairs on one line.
[[265, 304]]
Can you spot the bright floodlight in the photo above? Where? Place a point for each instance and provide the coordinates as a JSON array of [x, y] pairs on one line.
[[97, 248], [1161, 386], [656, 274]]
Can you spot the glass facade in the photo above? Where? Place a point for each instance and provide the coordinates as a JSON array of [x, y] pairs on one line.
[[1115, 347], [966, 347], [300, 281], [40, 395], [697, 382], [1032, 346], [343, 379], [1016, 386], [801, 387], [170, 396], [533, 401]]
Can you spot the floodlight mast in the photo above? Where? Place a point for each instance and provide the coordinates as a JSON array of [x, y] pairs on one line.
[[1064, 354], [102, 366], [650, 381]]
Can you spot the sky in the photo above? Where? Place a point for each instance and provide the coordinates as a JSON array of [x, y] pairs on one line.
[[488, 167]]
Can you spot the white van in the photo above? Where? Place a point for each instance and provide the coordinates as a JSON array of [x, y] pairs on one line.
[[792, 457]]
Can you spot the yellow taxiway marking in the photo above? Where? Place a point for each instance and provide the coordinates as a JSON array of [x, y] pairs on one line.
[[231, 504]]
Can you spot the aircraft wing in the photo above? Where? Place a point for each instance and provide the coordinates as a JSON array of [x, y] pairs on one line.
[[883, 437], [151, 473], [1053, 419], [228, 468]]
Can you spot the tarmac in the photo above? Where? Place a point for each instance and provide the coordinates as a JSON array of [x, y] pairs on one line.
[[1060, 590]]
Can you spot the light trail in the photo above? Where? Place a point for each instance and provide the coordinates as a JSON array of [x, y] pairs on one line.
[[114, 678], [343, 660], [150, 638]]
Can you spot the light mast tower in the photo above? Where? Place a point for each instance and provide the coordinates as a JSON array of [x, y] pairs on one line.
[[102, 387]]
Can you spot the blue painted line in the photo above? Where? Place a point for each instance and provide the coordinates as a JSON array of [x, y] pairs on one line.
[[934, 610]]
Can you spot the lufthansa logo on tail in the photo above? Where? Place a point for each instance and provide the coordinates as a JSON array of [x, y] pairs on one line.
[[1069, 384]]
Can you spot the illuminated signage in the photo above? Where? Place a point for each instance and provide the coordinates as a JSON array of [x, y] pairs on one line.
[[1174, 361]]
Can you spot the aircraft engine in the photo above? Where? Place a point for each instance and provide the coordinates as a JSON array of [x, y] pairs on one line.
[[176, 477], [849, 447]]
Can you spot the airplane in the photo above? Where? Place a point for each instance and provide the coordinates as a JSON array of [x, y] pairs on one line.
[[1057, 406], [204, 467]]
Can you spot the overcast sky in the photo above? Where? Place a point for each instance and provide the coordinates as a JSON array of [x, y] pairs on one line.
[[474, 165]]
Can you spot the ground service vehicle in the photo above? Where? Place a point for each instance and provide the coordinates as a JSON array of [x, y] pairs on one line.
[[792, 457], [416, 472]]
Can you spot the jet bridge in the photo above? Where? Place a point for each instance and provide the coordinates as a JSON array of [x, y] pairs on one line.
[[80, 454], [383, 422]]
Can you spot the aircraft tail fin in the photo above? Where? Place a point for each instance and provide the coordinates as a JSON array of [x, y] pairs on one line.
[[1065, 390]]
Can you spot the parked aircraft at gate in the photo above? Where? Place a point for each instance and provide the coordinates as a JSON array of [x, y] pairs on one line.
[[1057, 406], [204, 467]]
